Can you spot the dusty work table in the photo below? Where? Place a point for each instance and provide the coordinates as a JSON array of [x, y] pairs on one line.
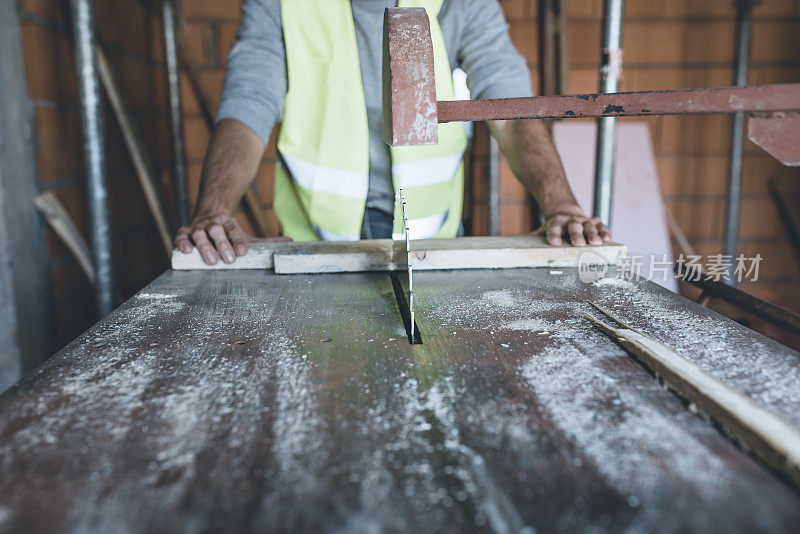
[[250, 401]]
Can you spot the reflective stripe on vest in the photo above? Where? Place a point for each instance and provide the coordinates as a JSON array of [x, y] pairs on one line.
[[322, 180]]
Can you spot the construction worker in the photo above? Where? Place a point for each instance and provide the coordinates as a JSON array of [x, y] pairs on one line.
[[315, 68]]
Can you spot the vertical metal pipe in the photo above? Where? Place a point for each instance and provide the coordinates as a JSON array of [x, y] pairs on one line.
[[175, 112], [493, 173], [548, 69], [610, 74], [743, 26], [94, 153]]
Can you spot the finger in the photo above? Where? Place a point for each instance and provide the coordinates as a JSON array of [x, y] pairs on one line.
[[590, 231], [554, 232], [207, 250], [605, 233], [575, 230], [217, 233], [182, 241], [237, 236]]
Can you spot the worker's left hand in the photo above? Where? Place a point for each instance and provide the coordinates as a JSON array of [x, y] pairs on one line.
[[579, 228]]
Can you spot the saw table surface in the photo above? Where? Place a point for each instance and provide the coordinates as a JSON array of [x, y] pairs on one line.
[[248, 401]]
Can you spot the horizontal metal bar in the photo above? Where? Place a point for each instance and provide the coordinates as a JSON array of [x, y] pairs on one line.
[[754, 99], [767, 311]]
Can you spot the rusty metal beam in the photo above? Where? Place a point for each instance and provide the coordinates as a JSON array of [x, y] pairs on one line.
[[754, 99]]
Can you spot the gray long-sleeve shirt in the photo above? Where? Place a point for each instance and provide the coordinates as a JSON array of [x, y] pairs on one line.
[[477, 41]]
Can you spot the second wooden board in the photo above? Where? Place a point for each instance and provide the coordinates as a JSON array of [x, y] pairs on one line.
[[439, 254]]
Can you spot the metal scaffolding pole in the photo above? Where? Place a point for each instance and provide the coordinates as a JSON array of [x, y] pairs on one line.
[[94, 153], [744, 10], [175, 112], [493, 172], [610, 74]]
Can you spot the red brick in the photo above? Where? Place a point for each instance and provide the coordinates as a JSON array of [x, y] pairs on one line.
[[698, 218], [585, 9], [211, 82], [779, 258], [124, 24], [225, 9], [775, 42], [200, 43], [644, 8], [265, 183], [193, 173], [709, 41], [693, 133], [515, 9], [695, 8], [510, 187], [226, 37], [246, 223], [584, 80], [514, 219], [765, 75], [584, 43], [776, 8], [758, 168], [524, 37], [197, 138], [646, 79], [46, 9], [759, 218], [49, 64], [649, 43], [691, 175]]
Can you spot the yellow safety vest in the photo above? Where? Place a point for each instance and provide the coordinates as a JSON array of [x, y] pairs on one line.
[[322, 179]]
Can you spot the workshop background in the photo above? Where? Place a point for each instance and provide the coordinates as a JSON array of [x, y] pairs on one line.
[[668, 44]]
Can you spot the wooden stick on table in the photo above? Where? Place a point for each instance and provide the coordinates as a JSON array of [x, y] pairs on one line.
[[773, 440], [136, 148], [61, 223]]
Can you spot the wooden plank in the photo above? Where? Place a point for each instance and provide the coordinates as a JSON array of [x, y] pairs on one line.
[[437, 254], [388, 255], [771, 438], [247, 401], [259, 258], [136, 148], [61, 223]]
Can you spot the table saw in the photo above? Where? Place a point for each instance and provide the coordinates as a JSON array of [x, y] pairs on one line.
[[246, 400]]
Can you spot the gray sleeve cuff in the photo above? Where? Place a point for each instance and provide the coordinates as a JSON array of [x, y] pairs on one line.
[[259, 118], [255, 85]]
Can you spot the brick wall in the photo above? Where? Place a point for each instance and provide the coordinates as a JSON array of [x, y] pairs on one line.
[[674, 44], [668, 44], [210, 27], [132, 31]]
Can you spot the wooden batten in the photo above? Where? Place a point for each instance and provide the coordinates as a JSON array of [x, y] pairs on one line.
[[427, 254]]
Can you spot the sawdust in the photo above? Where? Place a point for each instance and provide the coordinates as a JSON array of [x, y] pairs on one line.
[[614, 282], [502, 298], [533, 325], [417, 423], [623, 439]]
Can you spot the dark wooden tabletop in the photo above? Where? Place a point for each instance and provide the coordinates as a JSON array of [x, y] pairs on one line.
[[238, 401]]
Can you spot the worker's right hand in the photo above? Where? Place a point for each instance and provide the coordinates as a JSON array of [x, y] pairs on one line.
[[215, 237]]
